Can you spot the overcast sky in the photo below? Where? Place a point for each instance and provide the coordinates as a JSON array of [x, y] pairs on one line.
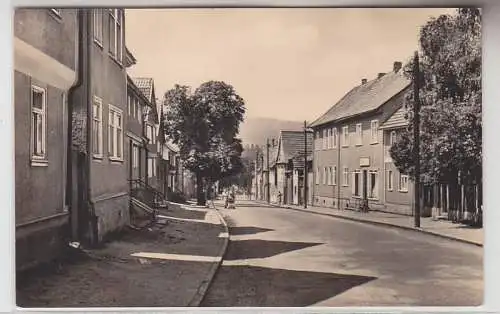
[[286, 63]]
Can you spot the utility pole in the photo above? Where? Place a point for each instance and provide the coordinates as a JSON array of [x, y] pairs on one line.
[[416, 138], [305, 164], [268, 184]]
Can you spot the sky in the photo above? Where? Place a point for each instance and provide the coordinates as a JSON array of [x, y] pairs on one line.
[[291, 64]]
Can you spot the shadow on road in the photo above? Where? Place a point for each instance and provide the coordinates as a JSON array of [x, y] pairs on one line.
[[247, 230], [245, 249], [184, 213], [259, 286]]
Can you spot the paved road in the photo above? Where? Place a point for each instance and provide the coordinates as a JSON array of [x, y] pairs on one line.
[[281, 257]]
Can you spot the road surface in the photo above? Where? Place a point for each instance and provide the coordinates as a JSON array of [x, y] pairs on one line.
[[282, 257]]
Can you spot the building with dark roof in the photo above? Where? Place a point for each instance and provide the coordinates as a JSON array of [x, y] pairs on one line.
[[349, 146]]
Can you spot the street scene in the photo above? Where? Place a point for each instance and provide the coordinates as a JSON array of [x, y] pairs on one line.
[[248, 157]]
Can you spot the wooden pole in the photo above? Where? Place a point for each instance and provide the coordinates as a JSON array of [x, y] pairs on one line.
[[268, 182], [305, 165], [416, 136]]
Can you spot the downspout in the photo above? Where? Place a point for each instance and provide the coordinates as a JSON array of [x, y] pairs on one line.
[[337, 142], [69, 151], [93, 226]]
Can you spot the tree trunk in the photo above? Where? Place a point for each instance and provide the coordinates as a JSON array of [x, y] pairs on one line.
[[200, 196]]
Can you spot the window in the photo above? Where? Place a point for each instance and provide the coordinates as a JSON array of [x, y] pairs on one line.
[[345, 178], [324, 139], [316, 142], [334, 175], [139, 112], [345, 136], [97, 127], [325, 175], [316, 177], [374, 131], [149, 133], [392, 138], [129, 104], [135, 156], [115, 133], [390, 180], [334, 138], [373, 184], [329, 137], [356, 183], [116, 34], [150, 167], [403, 183], [359, 134], [98, 26], [38, 123], [329, 175]]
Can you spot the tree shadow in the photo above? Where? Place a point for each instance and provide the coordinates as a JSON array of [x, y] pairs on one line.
[[245, 249], [185, 214], [268, 287], [247, 230]]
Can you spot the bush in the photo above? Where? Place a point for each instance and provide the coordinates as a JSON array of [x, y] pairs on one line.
[[177, 197]]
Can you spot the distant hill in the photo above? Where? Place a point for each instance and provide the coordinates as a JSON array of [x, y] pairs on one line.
[[257, 130]]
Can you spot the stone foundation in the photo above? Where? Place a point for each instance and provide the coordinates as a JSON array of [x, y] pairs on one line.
[[112, 214]]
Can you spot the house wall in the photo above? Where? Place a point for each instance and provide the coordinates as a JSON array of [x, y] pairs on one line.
[[44, 55], [396, 200], [109, 183], [350, 157]]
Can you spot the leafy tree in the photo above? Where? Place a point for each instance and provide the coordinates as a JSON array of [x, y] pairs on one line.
[[450, 97], [204, 125]]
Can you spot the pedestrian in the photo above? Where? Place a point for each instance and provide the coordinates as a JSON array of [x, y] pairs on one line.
[[279, 197]]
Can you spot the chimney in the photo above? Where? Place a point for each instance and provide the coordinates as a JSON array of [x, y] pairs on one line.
[[363, 81], [380, 75], [397, 66]]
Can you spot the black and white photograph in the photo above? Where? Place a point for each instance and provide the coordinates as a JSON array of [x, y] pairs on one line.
[[248, 157]]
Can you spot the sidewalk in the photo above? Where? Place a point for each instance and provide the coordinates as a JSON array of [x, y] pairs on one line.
[[441, 228], [167, 265]]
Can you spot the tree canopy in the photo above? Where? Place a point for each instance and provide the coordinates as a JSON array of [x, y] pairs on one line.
[[205, 124], [450, 98]]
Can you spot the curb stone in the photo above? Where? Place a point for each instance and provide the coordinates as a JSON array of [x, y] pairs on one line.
[[203, 288], [385, 224]]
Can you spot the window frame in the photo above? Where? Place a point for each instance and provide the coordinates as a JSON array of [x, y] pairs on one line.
[[345, 178], [114, 136], [98, 31], [375, 188], [345, 136], [358, 186], [38, 159], [317, 178], [99, 154], [392, 137], [403, 189], [374, 131], [334, 174], [115, 18], [359, 134], [390, 180], [334, 137]]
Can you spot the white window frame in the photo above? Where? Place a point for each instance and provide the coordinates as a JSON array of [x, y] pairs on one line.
[[115, 133], [392, 137], [135, 156], [329, 138], [345, 136], [316, 142], [374, 131], [98, 26], [116, 19], [390, 180], [359, 134], [375, 195], [129, 104], [149, 133], [329, 175], [150, 167], [345, 179], [403, 183], [97, 121], [325, 175], [334, 137], [324, 139], [317, 179], [38, 159], [334, 175]]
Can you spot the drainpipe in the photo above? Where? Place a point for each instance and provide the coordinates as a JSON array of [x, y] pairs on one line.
[[93, 227], [69, 151], [337, 139]]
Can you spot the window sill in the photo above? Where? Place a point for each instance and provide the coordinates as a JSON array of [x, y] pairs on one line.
[[115, 60], [56, 15], [39, 163], [403, 191], [374, 143], [359, 145], [390, 190], [98, 43], [97, 157], [345, 185], [116, 159]]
